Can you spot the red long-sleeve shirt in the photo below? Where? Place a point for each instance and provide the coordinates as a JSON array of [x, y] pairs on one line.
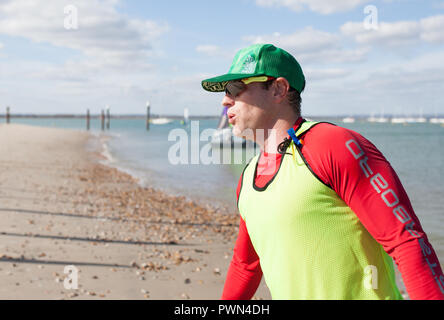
[[346, 161]]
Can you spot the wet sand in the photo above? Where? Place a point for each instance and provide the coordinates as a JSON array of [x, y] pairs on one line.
[[60, 206]]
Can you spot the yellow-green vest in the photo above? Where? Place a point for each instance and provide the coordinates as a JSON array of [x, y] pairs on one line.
[[311, 245]]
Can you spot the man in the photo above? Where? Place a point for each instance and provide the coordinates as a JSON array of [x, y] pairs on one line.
[[322, 211]]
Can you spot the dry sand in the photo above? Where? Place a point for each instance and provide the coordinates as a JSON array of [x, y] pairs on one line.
[[59, 206]]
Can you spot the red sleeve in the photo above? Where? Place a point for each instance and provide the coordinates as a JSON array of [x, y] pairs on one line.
[[244, 273], [365, 180]]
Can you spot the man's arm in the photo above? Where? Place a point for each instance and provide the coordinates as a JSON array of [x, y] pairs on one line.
[[244, 274], [365, 180]]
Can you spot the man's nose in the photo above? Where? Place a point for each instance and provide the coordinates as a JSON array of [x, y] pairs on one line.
[[227, 101]]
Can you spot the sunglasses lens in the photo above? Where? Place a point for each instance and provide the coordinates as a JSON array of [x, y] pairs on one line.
[[234, 88]]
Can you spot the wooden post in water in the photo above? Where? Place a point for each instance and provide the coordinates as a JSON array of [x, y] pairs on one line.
[[108, 118], [8, 116], [102, 119], [148, 115], [87, 119]]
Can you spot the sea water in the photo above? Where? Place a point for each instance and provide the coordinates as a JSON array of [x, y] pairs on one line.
[[415, 151]]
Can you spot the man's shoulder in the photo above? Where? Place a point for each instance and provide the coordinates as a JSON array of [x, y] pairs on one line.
[[329, 143], [325, 133], [326, 151]]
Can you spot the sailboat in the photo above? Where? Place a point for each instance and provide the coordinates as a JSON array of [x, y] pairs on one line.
[[160, 121], [348, 120], [399, 120], [381, 119], [421, 118], [437, 119], [410, 119]]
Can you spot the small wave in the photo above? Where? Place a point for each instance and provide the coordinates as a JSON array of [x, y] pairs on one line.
[[113, 162], [106, 153], [114, 135]]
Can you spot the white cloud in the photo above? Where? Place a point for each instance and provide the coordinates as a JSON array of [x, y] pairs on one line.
[[334, 55], [103, 35], [113, 53], [401, 87], [393, 34], [302, 41], [432, 29], [408, 75], [397, 33], [312, 46], [319, 6], [119, 61], [208, 49], [324, 74], [214, 51]]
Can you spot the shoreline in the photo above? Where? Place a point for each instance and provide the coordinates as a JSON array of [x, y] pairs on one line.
[[61, 206], [111, 162]]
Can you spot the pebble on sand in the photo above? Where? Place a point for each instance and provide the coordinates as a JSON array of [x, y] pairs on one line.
[[185, 296]]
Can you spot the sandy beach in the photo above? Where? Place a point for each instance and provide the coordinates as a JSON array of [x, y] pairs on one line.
[[61, 207]]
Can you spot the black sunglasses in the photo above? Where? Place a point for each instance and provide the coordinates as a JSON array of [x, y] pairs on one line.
[[235, 88]]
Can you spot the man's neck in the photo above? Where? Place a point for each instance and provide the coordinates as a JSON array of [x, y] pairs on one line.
[[277, 134]]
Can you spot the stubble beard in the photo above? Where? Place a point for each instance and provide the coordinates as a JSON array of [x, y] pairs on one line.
[[244, 133]]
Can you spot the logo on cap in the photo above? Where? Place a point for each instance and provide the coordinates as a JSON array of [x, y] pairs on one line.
[[249, 65]]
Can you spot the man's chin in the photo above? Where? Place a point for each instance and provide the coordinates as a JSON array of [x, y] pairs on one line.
[[244, 134], [237, 132]]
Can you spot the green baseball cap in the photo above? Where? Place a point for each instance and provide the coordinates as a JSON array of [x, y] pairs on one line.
[[260, 60]]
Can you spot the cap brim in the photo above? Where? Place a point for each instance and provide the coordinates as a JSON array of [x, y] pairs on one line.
[[218, 84]]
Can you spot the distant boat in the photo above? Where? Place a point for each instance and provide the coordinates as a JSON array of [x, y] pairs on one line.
[[420, 119], [417, 120], [160, 121], [399, 120], [371, 119], [381, 119], [409, 120], [348, 120], [436, 120]]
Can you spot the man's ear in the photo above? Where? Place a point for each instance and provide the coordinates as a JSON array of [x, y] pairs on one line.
[[280, 89]]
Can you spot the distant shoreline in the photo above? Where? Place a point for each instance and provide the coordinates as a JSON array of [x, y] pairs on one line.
[[180, 117], [98, 116]]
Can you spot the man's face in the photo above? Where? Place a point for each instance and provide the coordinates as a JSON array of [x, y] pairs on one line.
[[249, 112]]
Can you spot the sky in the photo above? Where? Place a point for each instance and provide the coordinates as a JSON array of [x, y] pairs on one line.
[[359, 57]]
